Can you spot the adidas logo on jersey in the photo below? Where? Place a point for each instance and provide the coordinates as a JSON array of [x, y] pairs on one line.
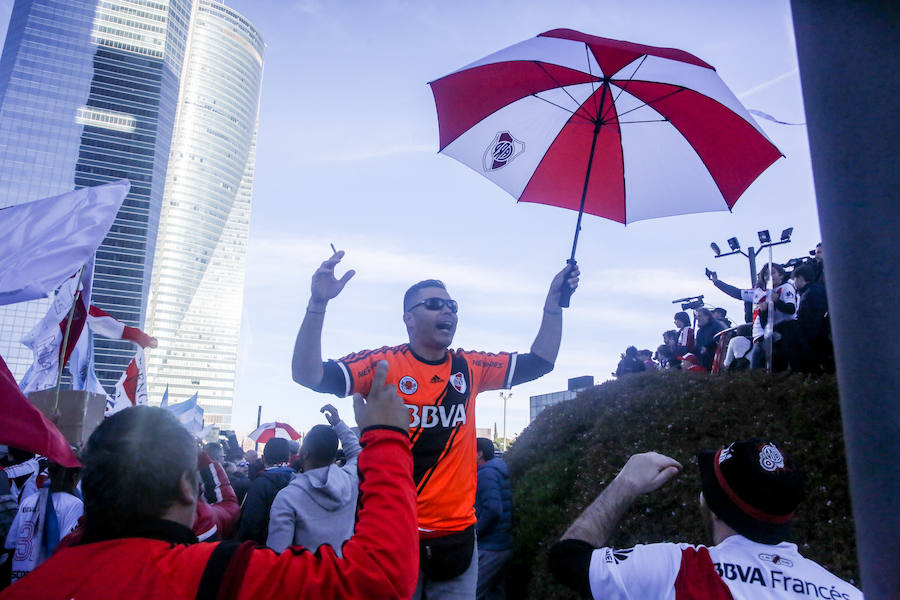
[[436, 379], [428, 416]]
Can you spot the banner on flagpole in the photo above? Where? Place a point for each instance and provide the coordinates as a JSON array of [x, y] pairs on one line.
[[189, 413], [131, 389], [45, 339], [45, 241]]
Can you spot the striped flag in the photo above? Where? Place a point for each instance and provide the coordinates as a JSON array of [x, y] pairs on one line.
[[81, 365], [131, 389], [189, 413], [46, 338]]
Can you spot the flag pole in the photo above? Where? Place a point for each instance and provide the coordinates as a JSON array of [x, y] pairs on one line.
[[65, 342], [770, 324]]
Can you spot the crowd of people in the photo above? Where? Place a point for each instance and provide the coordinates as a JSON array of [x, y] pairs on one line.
[[800, 332], [414, 505]]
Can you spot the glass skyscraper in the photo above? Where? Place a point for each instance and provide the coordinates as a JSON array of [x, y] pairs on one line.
[[164, 93], [88, 94], [198, 276], [128, 123], [45, 78]]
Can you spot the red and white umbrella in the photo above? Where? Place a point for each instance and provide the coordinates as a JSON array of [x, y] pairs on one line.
[[611, 128], [267, 431]]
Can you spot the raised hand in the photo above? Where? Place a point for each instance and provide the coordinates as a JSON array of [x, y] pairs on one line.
[[568, 276], [331, 414], [325, 285], [647, 472], [382, 406]]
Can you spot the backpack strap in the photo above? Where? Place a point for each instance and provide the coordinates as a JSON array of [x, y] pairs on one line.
[[216, 567]]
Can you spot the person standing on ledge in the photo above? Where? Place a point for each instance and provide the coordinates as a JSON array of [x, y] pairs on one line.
[[439, 387]]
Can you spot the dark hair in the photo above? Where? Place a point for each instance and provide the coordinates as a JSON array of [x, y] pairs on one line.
[[133, 466], [683, 317], [321, 443], [775, 267], [427, 283], [721, 310], [62, 479], [276, 451], [630, 351], [670, 334], [213, 447], [645, 352], [705, 312], [806, 272], [486, 447]]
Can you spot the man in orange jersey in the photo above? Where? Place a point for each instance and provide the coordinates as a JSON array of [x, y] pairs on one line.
[[439, 387]]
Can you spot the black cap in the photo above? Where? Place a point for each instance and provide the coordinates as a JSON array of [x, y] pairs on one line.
[[753, 487]]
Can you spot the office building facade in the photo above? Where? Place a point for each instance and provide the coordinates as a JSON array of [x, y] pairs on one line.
[[88, 94], [198, 277], [541, 402]]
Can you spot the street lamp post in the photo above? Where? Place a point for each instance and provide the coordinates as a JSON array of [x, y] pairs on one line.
[[505, 397], [765, 242]]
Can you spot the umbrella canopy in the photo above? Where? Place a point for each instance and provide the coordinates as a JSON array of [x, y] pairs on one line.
[[615, 129], [267, 431]]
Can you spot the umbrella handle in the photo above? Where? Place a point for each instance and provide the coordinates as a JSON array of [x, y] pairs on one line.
[[565, 294]]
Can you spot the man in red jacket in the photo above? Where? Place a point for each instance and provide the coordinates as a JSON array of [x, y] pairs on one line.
[[140, 488]]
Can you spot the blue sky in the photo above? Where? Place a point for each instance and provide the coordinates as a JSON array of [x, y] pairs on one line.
[[347, 155]]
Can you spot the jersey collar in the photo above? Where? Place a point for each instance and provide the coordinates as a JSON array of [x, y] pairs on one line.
[[425, 360]]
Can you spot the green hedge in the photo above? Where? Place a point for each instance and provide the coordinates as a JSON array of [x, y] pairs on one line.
[[565, 458]]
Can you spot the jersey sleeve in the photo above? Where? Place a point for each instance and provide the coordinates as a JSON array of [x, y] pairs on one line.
[[491, 371], [528, 367], [645, 571], [358, 369]]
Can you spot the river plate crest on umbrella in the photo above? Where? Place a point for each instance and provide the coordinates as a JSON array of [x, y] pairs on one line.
[[615, 129]]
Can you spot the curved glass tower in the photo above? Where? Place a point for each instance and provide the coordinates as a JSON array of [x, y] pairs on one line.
[[196, 289]]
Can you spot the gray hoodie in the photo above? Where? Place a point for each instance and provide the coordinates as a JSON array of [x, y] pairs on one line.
[[318, 506]]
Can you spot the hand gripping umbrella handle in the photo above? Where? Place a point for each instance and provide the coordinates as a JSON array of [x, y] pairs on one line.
[[565, 294]]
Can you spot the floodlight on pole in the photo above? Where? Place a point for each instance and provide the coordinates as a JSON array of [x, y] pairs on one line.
[[764, 237], [786, 234], [715, 248], [734, 244]]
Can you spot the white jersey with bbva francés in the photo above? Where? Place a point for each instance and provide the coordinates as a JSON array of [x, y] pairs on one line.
[[749, 571]]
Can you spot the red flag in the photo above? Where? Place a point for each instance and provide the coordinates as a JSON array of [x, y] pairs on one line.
[[23, 426]]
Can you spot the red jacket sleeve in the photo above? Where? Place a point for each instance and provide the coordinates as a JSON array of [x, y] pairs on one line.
[[381, 560], [224, 513]]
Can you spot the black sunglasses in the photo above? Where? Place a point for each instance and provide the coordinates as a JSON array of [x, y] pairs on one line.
[[437, 304]]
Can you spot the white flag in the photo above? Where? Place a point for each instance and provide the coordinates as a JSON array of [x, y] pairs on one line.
[[131, 389], [45, 241]]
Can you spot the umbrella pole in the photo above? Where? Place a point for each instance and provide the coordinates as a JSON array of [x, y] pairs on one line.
[[566, 294]]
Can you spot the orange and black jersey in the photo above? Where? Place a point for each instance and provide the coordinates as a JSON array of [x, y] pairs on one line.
[[440, 396]]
